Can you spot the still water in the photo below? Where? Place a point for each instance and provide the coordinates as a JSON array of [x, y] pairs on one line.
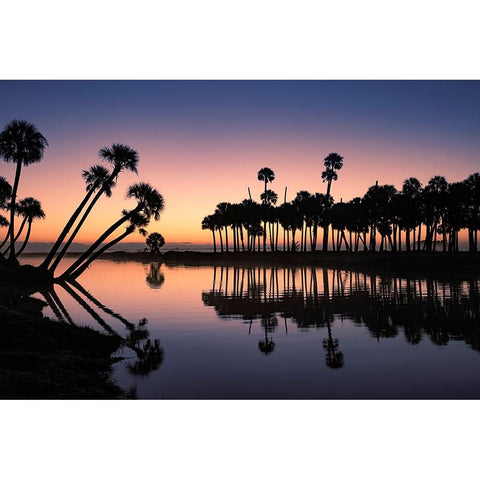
[[279, 333]]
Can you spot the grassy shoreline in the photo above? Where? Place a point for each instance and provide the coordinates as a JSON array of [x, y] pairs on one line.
[[45, 359], [439, 264], [449, 265]]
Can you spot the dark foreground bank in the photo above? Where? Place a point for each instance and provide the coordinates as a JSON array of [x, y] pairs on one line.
[[45, 359], [417, 264]]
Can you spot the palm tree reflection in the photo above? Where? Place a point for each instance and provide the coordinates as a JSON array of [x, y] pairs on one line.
[[312, 297], [148, 355], [155, 277]]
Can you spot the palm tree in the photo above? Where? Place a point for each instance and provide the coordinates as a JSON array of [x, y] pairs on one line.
[[21, 209], [473, 210], [208, 223], [269, 198], [411, 204], [332, 162], [137, 220], [122, 157], [155, 242], [434, 197], [265, 175], [31, 210], [150, 204], [222, 213], [96, 177], [23, 144]]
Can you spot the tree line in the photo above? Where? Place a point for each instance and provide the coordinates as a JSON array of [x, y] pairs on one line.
[[22, 144], [417, 217]]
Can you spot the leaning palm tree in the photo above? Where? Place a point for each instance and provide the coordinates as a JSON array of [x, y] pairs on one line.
[[31, 209], [137, 221], [96, 178], [150, 204], [23, 144], [122, 157]]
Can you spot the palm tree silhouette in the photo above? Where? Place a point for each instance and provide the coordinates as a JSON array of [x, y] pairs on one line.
[[155, 242], [150, 204], [23, 144], [208, 223], [122, 157], [137, 222], [96, 177], [332, 162], [31, 209], [155, 277], [265, 175]]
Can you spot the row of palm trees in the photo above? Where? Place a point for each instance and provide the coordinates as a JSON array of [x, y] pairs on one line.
[[417, 217], [22, 144]]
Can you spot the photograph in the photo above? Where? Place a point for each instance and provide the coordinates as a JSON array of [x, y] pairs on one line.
[[239, 239]]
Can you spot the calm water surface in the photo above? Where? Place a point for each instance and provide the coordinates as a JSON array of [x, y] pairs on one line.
[[233, 332]]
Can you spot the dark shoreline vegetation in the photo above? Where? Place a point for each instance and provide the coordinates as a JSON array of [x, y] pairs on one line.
[[42, 358], [413, 264]]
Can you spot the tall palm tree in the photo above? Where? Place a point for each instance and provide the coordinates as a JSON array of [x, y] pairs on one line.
[[31, 209], [23, 144], [269, 198], [265, 175], [222, 213], [122, 157], [150, 203], [97, 177], [332, 162]]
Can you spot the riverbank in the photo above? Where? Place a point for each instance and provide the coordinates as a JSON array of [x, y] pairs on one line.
[[408, 264], [448, 265], [45, 359]]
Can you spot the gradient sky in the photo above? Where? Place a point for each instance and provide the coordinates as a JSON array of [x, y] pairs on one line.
[[202, 142]]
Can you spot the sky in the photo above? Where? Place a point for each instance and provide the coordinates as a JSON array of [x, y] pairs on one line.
[[202, 142]]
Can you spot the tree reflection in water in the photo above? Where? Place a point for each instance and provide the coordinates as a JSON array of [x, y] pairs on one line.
[[155, 277], [317, 298], [148, 355]]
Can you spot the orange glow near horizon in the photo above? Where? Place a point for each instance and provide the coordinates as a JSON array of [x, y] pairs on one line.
[[195, 176]]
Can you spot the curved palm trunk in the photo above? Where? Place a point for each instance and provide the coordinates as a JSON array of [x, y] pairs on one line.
[[17, 236], [65, 230], [97, 243], [93, 257], [6, 236], [82, 220], [12, 208], [27, 237]]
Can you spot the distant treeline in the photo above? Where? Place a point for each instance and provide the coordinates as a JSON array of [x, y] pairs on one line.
[[418, 217]]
